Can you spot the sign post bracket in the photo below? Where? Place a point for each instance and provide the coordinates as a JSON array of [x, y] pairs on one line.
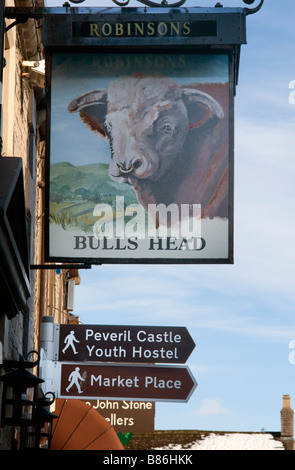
[[61, 266]]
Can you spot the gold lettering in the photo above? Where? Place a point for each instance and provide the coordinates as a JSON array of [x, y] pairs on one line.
[[186, 28], [94, 30], [139, 28], [104, 31], [162, 29], [175, 28], [150, 29], [119, 29]]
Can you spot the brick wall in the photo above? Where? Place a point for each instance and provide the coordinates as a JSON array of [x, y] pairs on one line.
[[287, 423]]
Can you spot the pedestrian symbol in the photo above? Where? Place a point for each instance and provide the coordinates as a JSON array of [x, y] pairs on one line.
[[69, 341], [74, 378]]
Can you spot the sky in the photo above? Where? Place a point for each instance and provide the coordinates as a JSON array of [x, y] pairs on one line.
[[240, 316]]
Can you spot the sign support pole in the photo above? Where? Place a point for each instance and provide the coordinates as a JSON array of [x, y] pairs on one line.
[[49, 367]]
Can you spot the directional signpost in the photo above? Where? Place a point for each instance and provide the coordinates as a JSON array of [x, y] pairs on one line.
[[139, 344], [154, 383], [117, 362]]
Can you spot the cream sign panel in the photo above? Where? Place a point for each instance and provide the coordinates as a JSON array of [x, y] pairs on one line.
[[140, 160]]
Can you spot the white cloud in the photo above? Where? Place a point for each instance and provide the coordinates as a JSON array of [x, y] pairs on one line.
[[211, 407], [247, 299]]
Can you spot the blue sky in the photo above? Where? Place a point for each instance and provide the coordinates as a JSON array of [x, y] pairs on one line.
[[241, 317]]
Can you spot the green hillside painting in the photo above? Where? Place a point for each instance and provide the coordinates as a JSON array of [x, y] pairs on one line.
[[75, 191]]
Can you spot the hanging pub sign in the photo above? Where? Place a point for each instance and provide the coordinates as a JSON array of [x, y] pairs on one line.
[[140, 155]]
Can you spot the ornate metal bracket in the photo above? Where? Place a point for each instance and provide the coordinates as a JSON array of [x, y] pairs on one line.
[[250, 11], [22, 363], [149, 3], [165, 3], [35, 12]]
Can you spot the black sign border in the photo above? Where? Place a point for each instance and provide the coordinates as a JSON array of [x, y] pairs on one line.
[[175, 46]]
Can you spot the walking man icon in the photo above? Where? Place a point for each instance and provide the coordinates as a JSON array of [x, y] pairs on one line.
[[74, 378], [69, 340]]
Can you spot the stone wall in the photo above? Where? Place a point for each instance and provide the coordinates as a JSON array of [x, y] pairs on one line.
[[23, 103]]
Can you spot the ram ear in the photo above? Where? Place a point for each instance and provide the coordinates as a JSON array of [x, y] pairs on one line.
[[92, 107], [201, 107]]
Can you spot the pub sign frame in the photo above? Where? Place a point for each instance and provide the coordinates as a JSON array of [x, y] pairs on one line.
[[140, 157]]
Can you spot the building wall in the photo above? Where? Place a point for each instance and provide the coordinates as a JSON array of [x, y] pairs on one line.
[[22, 133]]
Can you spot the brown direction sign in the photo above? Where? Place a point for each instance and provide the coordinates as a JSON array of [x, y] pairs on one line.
[[126, 415], [132, 344], [141, 382]]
